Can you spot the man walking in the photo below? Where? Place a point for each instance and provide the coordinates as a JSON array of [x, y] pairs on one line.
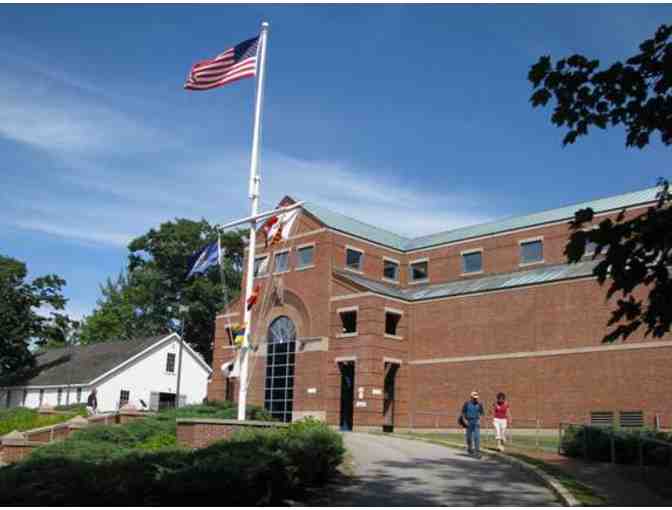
[[472, 410], [92, 403]]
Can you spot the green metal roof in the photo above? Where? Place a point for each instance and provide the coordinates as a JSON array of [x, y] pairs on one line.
[[543, 274], [377, 235]]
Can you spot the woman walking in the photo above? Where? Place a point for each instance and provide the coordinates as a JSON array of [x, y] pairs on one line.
[[502, 419]]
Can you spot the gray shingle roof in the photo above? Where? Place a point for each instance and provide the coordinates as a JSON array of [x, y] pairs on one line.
[[543, 274], [83, 363], [363, 230]]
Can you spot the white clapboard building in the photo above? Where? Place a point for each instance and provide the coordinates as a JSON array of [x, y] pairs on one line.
[[136, 372]]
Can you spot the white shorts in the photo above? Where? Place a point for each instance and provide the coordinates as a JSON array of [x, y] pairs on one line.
[[500, 428]]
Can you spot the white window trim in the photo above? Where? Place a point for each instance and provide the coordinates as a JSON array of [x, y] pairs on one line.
[[398, 263], [267, 273], [165, 365], [354, 308], [469, 252], [339, 311], [359, 270], [280, 252], [411, 281], [392, 311], [521, 242], [299, 248]]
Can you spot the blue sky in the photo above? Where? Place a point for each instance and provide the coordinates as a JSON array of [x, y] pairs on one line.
[[414, 118]]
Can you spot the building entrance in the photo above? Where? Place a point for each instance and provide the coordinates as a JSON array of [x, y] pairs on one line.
[[388, 396], [347, 369]]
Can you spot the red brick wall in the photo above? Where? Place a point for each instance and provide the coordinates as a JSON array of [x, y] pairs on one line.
[[564, 315]]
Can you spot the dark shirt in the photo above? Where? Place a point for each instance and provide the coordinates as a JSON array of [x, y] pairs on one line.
[[92, 401], [472, 411]]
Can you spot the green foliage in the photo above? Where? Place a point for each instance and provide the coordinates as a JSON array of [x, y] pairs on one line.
[[635, 94], [597, 441], [20, 418], [101, 468], [145, 298], [636, 252], [20, 324]]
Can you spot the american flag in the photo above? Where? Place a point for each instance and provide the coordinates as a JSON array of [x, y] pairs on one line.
[[232, 65]]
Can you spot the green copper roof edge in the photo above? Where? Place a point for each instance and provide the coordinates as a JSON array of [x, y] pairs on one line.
[[582, 270], [383, 237]]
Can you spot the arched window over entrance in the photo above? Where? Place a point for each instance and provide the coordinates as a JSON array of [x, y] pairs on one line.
[[279, 387]]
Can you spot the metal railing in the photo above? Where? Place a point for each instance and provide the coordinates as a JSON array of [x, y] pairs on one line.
[[616, 437]]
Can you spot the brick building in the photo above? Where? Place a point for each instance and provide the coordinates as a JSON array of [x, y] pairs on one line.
[[368, 329]]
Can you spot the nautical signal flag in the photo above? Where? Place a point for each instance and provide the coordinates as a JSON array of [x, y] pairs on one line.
[[281, 229], [266, 228], [204, 259], [234, 64], [251, 301]]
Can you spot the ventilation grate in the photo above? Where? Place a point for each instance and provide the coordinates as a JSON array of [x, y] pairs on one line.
[[632, 419], [602, 418]]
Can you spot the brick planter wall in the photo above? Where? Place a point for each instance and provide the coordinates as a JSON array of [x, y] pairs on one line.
[[199, 433]]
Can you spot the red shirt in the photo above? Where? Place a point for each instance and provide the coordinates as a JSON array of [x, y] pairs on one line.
[[501, 410]]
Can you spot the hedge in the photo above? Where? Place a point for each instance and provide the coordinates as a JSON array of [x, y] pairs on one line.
[[253, 468], [626, 445]]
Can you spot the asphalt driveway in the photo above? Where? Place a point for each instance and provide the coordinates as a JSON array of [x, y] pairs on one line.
[[398, 472]]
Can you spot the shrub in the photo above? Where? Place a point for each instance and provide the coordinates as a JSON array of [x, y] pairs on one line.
[[626, 445], [254, 468]]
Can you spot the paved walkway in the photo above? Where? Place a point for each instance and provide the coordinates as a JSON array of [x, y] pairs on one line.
[[398, 472]]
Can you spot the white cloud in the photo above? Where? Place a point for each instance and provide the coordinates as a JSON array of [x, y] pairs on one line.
[[117, 176]]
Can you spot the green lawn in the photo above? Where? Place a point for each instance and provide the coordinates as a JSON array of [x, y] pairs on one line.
[[20, 418], [520, 441]]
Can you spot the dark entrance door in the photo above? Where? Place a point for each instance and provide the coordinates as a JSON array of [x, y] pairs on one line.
[[166, 400], [347, 393], [388, 396]]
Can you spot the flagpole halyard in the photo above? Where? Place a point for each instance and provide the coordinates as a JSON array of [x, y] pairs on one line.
[[254, 201]]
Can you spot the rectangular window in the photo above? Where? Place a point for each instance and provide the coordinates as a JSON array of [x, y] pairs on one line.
[[124, 397], [170, 363], [281, 262], [260, 266], [353, 259], [25, 397], [79, 395], [59, 396], [419, 270], [531, 251], [348, 322], [8, 398], [306, 256], [41, 397], [472, 262], [390, 270], [391, 323]]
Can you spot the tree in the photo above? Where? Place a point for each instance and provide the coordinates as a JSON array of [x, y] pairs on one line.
[[21, 326], [145, 299], [635, 254]]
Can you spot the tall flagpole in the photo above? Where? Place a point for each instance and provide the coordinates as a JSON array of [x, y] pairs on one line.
[[254, 199]]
